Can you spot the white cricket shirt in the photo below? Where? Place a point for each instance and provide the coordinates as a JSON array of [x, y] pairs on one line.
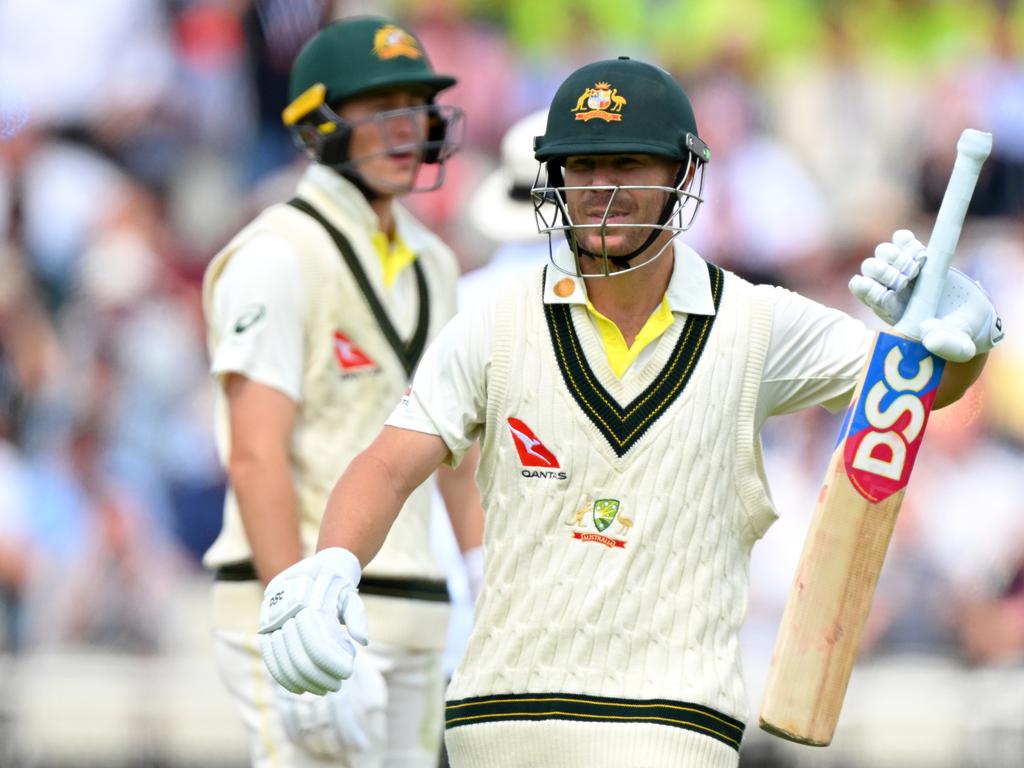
[[814, 358]]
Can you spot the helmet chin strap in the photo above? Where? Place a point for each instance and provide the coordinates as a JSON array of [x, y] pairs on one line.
[[352, 175], [622, 261]]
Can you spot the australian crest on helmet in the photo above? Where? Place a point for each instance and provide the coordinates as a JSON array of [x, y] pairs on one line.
[[390, 42], [602, 101]]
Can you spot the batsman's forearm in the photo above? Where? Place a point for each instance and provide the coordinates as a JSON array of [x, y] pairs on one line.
[[362, 508], [269, 509], [462, 500]]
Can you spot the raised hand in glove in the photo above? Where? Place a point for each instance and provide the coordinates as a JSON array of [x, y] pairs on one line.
[[965, 322]]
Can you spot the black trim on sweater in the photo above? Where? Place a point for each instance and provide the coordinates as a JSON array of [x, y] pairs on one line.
[[623, 426], [567, 706], [408, 353]]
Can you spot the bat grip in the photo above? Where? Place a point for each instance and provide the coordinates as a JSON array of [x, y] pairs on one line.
[[971, 150]]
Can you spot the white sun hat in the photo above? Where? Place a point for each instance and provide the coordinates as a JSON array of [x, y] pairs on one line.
[[501, 209]]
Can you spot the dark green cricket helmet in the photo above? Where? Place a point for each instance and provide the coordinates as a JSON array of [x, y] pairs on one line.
[[620, 106], [353, 57], [358, 55]]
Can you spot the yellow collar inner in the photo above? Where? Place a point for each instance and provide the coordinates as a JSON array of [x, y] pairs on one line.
[[620, 355], [394, 256]]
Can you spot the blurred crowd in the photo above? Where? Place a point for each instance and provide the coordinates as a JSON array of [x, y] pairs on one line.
[[137, 135]]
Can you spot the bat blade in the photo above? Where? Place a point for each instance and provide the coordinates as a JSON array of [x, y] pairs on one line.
[[847, 540], [820, 632]]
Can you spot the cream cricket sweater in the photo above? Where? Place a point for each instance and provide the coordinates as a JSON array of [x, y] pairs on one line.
[[342, 409], [616, 581]]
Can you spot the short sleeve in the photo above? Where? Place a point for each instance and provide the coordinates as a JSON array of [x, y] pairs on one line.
[[815, 356], [257, 308], [448, 396]]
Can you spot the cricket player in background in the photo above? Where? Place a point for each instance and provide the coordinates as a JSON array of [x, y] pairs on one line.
[[317, 313], [618, 394]]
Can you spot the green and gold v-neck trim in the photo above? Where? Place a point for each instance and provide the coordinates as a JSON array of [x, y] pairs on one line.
[[623, 426]]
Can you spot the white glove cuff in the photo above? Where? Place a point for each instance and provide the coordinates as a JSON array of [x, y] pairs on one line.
[[340, 561]]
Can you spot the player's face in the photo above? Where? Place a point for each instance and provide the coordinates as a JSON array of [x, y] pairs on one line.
[[386, 139], [615, 208]]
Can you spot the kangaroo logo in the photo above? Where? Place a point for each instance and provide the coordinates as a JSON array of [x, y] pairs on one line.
[[602, 101]]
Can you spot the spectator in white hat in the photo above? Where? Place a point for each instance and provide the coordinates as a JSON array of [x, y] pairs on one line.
[[502, 211]]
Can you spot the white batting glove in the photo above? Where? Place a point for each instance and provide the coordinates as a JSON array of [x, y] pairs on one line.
[[965, 322], [341, 723], [885, 279], [302, 640]]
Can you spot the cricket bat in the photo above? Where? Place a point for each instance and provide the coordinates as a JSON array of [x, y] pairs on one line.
[[867, 476]]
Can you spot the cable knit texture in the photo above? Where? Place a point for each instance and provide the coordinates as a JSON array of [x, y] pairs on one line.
[[627, 577]]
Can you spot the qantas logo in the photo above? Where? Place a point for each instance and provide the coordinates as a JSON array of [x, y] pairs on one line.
[[533, 453], [885, 426], [351, 359]]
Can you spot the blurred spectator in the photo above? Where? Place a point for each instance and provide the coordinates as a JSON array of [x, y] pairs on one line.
[[960, 531], [492, 92], [991, 624], [996, 255], [987, 93], [44, 174], [850, 118], [490, 86], [27, 354], [106, 62], [134, 307], [502, 212], [274, 31], [105, 584], [764, 214], [14, 540]]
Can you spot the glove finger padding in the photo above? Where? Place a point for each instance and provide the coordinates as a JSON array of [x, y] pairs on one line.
[[352, 614], [886, 274], [883, 302], [325, 644], [313, 678], [884, 282], [283, 668], [270, 662], [913, 253]]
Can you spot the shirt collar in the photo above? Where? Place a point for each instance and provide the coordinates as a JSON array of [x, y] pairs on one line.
[[341, 192], [689, 288]]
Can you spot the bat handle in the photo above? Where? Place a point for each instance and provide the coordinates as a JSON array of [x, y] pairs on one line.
[[971, 150]]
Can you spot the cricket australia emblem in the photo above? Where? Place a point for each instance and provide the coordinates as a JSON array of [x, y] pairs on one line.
[[390, 42], [593, 518], [602, 101]]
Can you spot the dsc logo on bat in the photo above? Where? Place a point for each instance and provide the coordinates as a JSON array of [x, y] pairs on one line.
[[884, 427]]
